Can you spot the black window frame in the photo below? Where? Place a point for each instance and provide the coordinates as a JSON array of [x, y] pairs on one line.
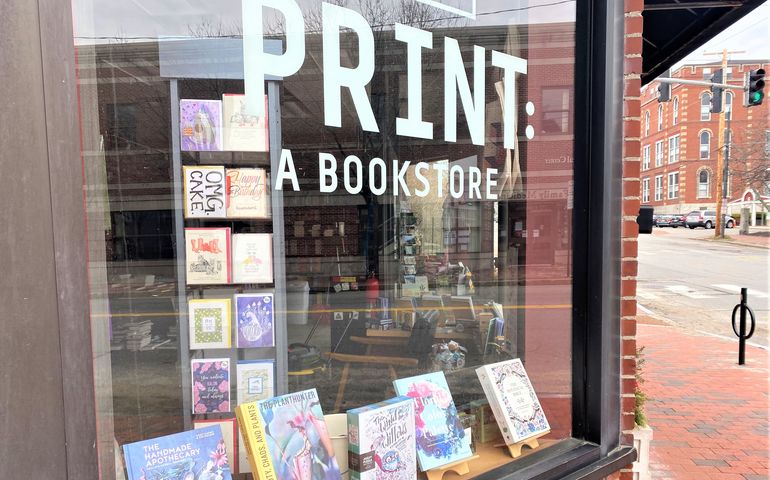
[[595, 450]]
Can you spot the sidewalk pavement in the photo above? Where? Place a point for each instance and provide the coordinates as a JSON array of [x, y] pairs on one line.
[[709, 415], [757, 237]]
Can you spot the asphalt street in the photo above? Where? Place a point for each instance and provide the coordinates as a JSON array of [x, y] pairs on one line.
[[695, 283]]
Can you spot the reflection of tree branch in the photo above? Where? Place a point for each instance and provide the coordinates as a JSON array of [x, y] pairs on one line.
[[208, 29], [750, 161], [379, 15]]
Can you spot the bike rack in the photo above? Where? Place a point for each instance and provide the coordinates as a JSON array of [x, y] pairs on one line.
[[740, 331]]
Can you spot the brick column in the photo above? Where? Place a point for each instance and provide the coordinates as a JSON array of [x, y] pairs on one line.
[[631, 201]]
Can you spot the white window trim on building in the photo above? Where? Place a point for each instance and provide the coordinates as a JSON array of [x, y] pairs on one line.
[[705, 108], [675, 115], [646, 190], [658, 187], [704, 188], [707, 150], [646, 124], [729, 98], [673, 149], [660, 117], [659, 153], [673, 185], [646, 157]]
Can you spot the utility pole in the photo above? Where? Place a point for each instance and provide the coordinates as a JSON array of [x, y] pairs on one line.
[[721, 191]]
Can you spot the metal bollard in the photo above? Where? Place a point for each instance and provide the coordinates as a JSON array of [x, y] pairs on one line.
[[741, 330]]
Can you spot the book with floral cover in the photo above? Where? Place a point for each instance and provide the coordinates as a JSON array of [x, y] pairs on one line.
[[381, 442], [199, 453], [286, 438], [210, 385], [440, 436], [513, 400], [230, 435]]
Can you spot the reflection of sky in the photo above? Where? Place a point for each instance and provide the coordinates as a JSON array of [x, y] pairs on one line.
[[750, 34], [99, 21]]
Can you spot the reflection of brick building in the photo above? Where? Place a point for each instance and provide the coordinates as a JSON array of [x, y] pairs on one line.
[[680, 140]]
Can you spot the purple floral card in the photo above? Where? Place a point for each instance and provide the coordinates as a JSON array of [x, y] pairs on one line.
[[254, 320], [200, 125], [211, 385]]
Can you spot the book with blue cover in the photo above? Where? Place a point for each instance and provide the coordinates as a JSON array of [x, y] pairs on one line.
[[198, 454], [439, 434], [381, 441]]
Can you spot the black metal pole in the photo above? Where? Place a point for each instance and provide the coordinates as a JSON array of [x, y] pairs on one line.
[[742, 330]]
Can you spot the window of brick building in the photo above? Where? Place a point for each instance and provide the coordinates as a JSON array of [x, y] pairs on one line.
[[673, 185], [705, 145], [704, 184], [705, 107], [673, 149]]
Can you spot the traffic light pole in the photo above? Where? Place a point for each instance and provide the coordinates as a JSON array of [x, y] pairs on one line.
[[719, 231], [726, 169]]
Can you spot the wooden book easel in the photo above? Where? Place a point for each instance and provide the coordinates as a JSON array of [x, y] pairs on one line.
[[531, 442], [460, 467]]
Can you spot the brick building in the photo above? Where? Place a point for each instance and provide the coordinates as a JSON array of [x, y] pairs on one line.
[[679, 155]]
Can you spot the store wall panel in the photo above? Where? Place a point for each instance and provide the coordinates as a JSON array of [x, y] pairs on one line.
[[44, 348], [69, 236], [31, 405]]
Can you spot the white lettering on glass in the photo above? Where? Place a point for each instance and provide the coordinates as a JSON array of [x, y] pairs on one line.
[[336, 76], [456, 81], [257, 63], [416, 40]]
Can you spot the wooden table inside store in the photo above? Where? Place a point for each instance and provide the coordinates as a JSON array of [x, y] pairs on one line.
[[442, 333]]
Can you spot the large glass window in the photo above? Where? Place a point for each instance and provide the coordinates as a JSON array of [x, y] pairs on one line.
[[658, 187], [364, 192], [645, 190]]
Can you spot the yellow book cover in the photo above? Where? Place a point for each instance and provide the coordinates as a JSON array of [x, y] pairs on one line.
[[253, 433]]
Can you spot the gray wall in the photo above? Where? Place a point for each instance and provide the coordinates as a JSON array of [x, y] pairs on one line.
[[46, 384]]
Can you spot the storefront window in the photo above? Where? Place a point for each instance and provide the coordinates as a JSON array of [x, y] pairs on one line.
[[334, 200]]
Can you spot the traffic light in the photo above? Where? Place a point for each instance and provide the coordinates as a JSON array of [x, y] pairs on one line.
[[716, 92], [664, 89], [664, 92], [755, 87]]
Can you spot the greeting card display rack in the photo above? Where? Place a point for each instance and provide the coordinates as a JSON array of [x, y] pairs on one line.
[[221, 60]]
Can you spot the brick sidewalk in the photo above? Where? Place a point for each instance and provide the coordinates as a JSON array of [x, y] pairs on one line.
[[709, 416]]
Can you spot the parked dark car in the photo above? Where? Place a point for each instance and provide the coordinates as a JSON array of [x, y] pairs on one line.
[[668, 220]]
